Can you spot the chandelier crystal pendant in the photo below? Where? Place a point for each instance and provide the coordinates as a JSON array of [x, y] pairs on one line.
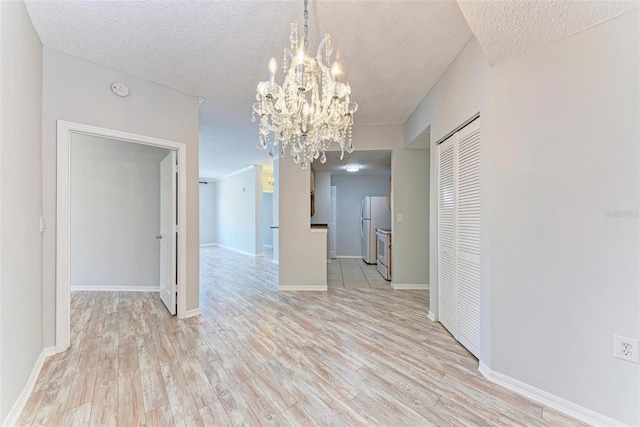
[[311, 109]]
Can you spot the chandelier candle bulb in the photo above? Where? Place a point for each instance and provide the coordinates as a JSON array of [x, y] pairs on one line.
[[334, 72], [273, 68], [300, 67]]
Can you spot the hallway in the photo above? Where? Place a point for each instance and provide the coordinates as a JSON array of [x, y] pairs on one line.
[[349, 356]]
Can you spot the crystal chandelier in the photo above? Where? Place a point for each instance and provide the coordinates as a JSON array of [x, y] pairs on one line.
[[311, 109]]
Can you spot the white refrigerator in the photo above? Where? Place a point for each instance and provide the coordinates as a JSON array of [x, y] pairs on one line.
[[374, 214]]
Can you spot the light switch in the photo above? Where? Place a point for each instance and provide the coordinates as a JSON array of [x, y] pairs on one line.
[[400, 218]]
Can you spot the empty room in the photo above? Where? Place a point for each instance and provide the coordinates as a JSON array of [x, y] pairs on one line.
[[225, 213]]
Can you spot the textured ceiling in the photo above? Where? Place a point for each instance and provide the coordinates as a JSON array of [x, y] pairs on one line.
[[376, 162], [392, 51], [508, 29]]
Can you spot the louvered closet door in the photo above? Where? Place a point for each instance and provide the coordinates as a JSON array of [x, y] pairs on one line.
[[447, 311], [459, 235], [468, 237]]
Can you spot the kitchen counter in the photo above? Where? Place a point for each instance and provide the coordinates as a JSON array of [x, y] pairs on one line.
[[319, 228]]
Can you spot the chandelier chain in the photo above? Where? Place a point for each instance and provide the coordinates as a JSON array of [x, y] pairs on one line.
[[306, 27]]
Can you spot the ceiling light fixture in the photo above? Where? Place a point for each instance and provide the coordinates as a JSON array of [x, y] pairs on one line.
[[311, 109], [353, 168]]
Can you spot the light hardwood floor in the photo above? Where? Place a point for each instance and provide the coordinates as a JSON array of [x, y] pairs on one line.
[[261, 357]]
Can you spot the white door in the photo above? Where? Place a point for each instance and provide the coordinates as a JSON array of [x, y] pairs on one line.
[[468, 237], [446, 236], [333, 243], [459, 235], [168, 193]]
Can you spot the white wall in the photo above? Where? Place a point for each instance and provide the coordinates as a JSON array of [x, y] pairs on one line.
[[322, 198], [559, 135], [378, 137], [21, 198], [275, 232], [259, 212], [564, 277], [80, 91], [459, 94], [303, 253], [207, 213], [267, 218], [115, 213], [410, 196], [351, 189], [237, 211]]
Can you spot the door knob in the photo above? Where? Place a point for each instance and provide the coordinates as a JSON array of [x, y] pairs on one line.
[[158, 237]]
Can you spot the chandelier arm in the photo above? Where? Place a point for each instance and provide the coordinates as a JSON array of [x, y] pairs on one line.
[[320, 48]]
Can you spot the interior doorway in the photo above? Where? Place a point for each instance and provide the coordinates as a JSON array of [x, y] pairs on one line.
[[170, 230], [366, 178]]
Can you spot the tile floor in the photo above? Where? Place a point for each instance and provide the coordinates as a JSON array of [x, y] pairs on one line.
[[354, 273]]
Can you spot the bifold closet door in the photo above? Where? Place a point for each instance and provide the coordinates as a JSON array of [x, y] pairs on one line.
[[459, 235], [468, 237], [447, 306]]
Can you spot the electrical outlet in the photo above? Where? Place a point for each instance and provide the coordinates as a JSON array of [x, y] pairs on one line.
[[625, 348]]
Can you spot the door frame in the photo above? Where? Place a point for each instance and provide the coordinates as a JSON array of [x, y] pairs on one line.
[[333, 232], [63, 224]]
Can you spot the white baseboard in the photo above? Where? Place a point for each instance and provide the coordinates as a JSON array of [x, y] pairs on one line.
[[204, 245], [261, 254], [431, 316], [349, 257], [302, 288], [236, 250], [192, 313], [407, 286], [547, 399], [16, 411], [115, 288]]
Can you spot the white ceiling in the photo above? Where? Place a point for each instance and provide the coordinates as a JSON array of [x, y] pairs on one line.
[[508, 29], [392, 51], [376, 162]]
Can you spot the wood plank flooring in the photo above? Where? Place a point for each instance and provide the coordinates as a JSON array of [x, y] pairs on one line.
[[257, 356]]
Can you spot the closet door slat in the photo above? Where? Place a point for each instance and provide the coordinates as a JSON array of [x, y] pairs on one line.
[[447, 307]]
